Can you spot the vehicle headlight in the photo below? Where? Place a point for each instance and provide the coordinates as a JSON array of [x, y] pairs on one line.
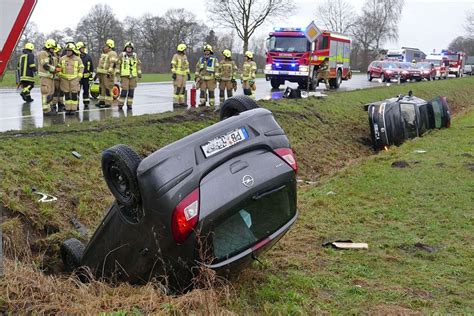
[[405, 72], [426, 72], [303, 68], [268, 67], [389, 71]]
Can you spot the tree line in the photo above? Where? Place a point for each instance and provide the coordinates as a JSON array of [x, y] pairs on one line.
[[156, 36]]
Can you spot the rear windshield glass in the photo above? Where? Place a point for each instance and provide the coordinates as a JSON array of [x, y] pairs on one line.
[[253, 220]]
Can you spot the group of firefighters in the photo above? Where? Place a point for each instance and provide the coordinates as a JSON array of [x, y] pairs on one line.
[[64, 71]]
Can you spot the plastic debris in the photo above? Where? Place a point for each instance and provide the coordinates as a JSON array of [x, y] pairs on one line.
[[45, 198], [331, 193], [76, 154], [419, 151], [346, 244]]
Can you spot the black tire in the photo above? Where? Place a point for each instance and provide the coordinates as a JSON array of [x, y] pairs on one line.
[[275, 83], [336, 82], [369, 76], [71, 253], [119, 167], [237, 104]]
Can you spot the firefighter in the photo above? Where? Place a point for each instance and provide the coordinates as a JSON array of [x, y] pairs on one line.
[[46, 71], [58, 96], [26, 72], [249, 70], [88, 70], [71, 74], [227, 75], [323, 72], [106, 72], [180, 70], [207, 69], [130, 69]]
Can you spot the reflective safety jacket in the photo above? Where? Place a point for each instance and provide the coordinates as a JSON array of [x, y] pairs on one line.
[[107, 63], [207, 68], [180, 64], [88, 66], [46, 66], [129, 65], [227, 70], [249, 70], [27, 66], [71, 67]]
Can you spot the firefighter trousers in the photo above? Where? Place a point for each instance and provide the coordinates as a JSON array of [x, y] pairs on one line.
[[225, 85], [47, 92], [85, 91], [71, 89], [323, 75], [207, 86], [179, 85], [26, 90], [106, 85], [128, 86]]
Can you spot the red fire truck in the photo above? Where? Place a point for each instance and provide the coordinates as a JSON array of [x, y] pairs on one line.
[[288, 57], [456, 61]]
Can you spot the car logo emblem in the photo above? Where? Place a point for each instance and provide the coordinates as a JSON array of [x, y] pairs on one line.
[[247, 181]]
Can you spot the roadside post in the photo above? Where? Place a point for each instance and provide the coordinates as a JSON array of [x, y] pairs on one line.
[[312, 33], [1, 242]]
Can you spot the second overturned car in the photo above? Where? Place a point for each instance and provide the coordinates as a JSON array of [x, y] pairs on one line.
[[216, 198], [395, 120]]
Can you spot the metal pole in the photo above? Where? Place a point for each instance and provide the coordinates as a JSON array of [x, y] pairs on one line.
[[309, 70]]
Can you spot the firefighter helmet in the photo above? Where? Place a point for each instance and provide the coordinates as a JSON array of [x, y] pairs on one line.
[[110, 43], [57, 48], [71, 47], [50, 43], [128, 44], [181, 47], [208, 47], [29, 46], [249, 54], [227, 53], [68, 39], [80, 45]]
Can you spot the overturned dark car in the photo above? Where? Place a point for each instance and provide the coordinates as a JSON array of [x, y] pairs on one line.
[[216, 198], [392, 121]]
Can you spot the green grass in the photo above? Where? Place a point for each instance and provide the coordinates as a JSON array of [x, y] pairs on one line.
[[8, 80], [430, 202], [391, 209]]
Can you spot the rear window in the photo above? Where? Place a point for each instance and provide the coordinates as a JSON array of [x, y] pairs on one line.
[[253, 220]]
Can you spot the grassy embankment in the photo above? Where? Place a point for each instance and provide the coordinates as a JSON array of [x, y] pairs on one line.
[[392, 209], [9, 79]]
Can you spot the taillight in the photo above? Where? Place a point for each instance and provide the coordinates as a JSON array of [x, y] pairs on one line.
[[287, 155], [185, 216]]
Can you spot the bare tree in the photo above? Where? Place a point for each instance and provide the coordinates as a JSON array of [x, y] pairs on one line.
[[97, 26], [469, 23], [245, 16], [364, 38], [384, 16], [464, 44], [336, 15]]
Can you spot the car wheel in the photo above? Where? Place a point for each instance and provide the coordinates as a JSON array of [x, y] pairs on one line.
[[237, 104], [119, 166], [369, 76], [275, 83], [336, 82], [71, 253]]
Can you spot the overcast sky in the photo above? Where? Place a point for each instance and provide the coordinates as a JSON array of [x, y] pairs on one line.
[[426, 24]]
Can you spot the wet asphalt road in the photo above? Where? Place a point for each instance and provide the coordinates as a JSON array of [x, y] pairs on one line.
[[149, 98]]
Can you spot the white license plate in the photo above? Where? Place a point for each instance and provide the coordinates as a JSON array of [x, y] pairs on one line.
[[225, 141]]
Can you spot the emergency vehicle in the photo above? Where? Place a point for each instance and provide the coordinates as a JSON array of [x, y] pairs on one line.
[[407, 54], [289, 52], [456, 61]]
